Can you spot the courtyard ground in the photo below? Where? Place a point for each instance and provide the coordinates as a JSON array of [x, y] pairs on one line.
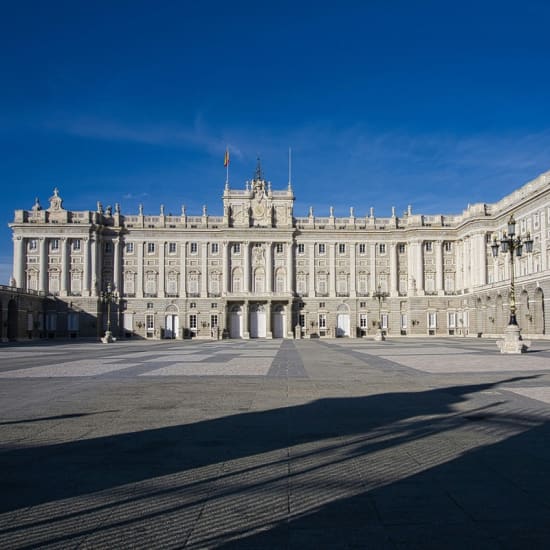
[[434, 443]]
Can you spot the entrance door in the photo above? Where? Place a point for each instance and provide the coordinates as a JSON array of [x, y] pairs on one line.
[[279, 320], [236, 323], [258, 326], [342, 324], [12, 320], [172, 326]]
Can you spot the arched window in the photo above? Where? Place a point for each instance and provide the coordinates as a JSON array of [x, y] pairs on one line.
[[259, 280], [236, 280], [280, 281]]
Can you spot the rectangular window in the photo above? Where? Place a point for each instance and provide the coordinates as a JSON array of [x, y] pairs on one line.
[[428, 246], [432, 320], [236, 248], [363, 322], [150, 322], [382, 248], [401, 248], [51, 321], [279, 248], [108, 247], [150, 248], [362, 304], [384, 320], [72, 322], [33, 244], [171, 248], [76, 244], [213, 321], [322, 321], [193, 321], [362, 248], [214, 248], [452, 319], [322, 305], [302, 320], [403, 321], [341, 248], [54, 244], [301, 248], [129, 248], [214, 305], [322, 248], [448, 246], [193, 248]]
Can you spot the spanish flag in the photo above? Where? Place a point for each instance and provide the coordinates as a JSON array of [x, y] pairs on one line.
[[226, 158]]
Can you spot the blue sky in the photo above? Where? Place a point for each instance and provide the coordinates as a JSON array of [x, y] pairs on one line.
[[384, 103]]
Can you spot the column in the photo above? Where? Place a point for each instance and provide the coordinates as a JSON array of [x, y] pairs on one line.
[[204, 270], [372, 257], [43, 275], [86, 268], [459, 281], [466, 263], [183, 269], [439, 267], [93, 266], [332, 267], [290, 267], [393, 270], [139, 282], [288, 320], [116, 265], [162, 269], [269, 268], [420, 267], [352, 272], [269, 333], [246, 313], [311, 282], [19, 262], [225, 267], [64, 266], [482, 255], [543, 241], [246, 274]]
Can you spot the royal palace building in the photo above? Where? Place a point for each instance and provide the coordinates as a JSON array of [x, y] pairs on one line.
[[259, 271]]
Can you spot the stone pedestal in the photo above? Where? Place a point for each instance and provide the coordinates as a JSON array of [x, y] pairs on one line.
[[512, 342], [379, 336], [108, 338]]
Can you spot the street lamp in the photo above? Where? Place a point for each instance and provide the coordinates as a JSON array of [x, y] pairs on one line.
[[512, 244], [379, 295], [108, 296]]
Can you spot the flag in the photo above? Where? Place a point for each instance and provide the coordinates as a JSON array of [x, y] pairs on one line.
[[226, 158]]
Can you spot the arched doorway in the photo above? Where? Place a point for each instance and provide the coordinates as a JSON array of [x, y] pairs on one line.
[[258, 326], [12, 320], [171, 322], [342, 321], [279, 320], [236, 322], [538, 311]]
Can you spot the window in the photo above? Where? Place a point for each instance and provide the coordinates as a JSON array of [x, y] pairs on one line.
[[214, 305], [362, 248], [279, 248], [72, 322], [54, 244], [382, 248], [150, 322], [363, 321], [341, 248], [301, 248], [322, 305], [172, 284], [129, 248], [108, 247], [448, 246], [193, 321], [362, 304], [428, 246], [51, 321], [171, 248], [452, 319], [193, 248], [432, 320], [214, 320], [302, 320], [150, 248], [33, 244], [401, 248], [322, 248], [322, 320], [214, 248], [384, 321], [236, 248], [150, 305], [76, 244], [403, 321]]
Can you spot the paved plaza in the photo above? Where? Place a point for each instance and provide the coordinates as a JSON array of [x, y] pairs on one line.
[[433, 443]]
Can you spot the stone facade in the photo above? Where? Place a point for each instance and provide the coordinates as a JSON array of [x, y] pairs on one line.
[[259, 271]]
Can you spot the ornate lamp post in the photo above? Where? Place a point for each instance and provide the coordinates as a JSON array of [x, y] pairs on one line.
[[512, 244], [379, 295], [108, 296]]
